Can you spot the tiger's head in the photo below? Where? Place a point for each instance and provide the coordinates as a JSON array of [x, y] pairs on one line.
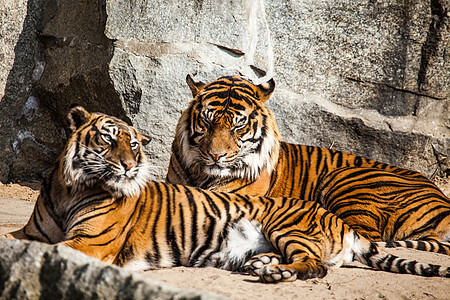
[[104, 150], [227, 130]]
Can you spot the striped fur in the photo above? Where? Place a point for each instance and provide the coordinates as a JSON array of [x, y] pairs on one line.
[[427, 246], [166, 225], [209, 152], [394, 203]]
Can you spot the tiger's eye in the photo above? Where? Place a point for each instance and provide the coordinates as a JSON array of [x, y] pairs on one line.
[[134, 145], [107, 138]]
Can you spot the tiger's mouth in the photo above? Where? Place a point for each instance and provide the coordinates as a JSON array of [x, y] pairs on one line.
[[128, 183], [224, 169], [121, 176], [216, 170]]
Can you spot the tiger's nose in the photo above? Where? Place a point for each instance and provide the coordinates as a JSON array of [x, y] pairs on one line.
[[215, 156], [128, 164]]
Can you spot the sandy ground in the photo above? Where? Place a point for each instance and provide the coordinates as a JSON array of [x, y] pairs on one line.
[[352, 282]]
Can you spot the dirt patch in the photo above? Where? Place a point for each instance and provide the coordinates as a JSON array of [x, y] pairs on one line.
[[26, 191]]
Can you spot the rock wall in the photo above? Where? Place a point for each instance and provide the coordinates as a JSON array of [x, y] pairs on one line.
[[32, 270], [367, 77]]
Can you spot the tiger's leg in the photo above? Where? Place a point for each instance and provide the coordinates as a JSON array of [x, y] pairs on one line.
[[15, 235], [100, 253], [40, 227], [362, 216]]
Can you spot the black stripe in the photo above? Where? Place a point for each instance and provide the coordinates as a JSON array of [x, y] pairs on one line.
[[209, 234], [124, 227], [400, 264], [88, 202], [47, 200], [92, 236], [410, 266], [193, 220], [80, 221], [182, 226], [36, 224], [157, 205]]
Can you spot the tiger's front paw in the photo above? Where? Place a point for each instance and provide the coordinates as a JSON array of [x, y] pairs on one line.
[[267, 267], [276, 273], [257, 262]]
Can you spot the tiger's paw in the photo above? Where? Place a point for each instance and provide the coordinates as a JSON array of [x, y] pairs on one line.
[[267, 267], [257, 262], [276, 273]]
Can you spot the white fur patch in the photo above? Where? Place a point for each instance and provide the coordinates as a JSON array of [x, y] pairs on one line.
[[345, 256], [130, 185], [244, 238], [137, 265]]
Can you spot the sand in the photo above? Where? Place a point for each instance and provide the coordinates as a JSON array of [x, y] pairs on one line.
[[352, 282]]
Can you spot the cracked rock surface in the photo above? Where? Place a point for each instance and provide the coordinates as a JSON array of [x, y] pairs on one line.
[[32, 270], [370, 78]]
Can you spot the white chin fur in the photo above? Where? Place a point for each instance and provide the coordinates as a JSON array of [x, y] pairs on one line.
[[129, 187], [126, 188], [216, 171]]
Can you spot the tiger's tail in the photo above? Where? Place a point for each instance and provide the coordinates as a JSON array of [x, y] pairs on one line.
[[428, 246], [370, 254]]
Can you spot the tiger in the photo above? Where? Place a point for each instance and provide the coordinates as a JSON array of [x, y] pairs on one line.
[[98, 199], [227, 140]]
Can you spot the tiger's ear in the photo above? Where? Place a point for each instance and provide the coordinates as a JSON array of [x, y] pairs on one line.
[[77, 117], [143, 139], [265, 90], [195, 86]]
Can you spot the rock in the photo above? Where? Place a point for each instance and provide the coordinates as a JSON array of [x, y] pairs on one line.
[[33, 270], [363, 77], [18, 47]]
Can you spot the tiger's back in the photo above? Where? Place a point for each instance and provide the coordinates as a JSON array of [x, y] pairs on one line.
[[283, 169], [301, 169]]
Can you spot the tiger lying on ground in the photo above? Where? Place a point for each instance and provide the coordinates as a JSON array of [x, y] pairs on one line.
[[98, 199], [227, 140]]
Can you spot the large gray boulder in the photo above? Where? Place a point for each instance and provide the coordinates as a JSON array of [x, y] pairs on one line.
[[371, 78], [32, 270]]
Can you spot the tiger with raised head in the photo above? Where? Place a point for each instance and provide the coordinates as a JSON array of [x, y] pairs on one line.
[[98, 199], [227, 140]]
